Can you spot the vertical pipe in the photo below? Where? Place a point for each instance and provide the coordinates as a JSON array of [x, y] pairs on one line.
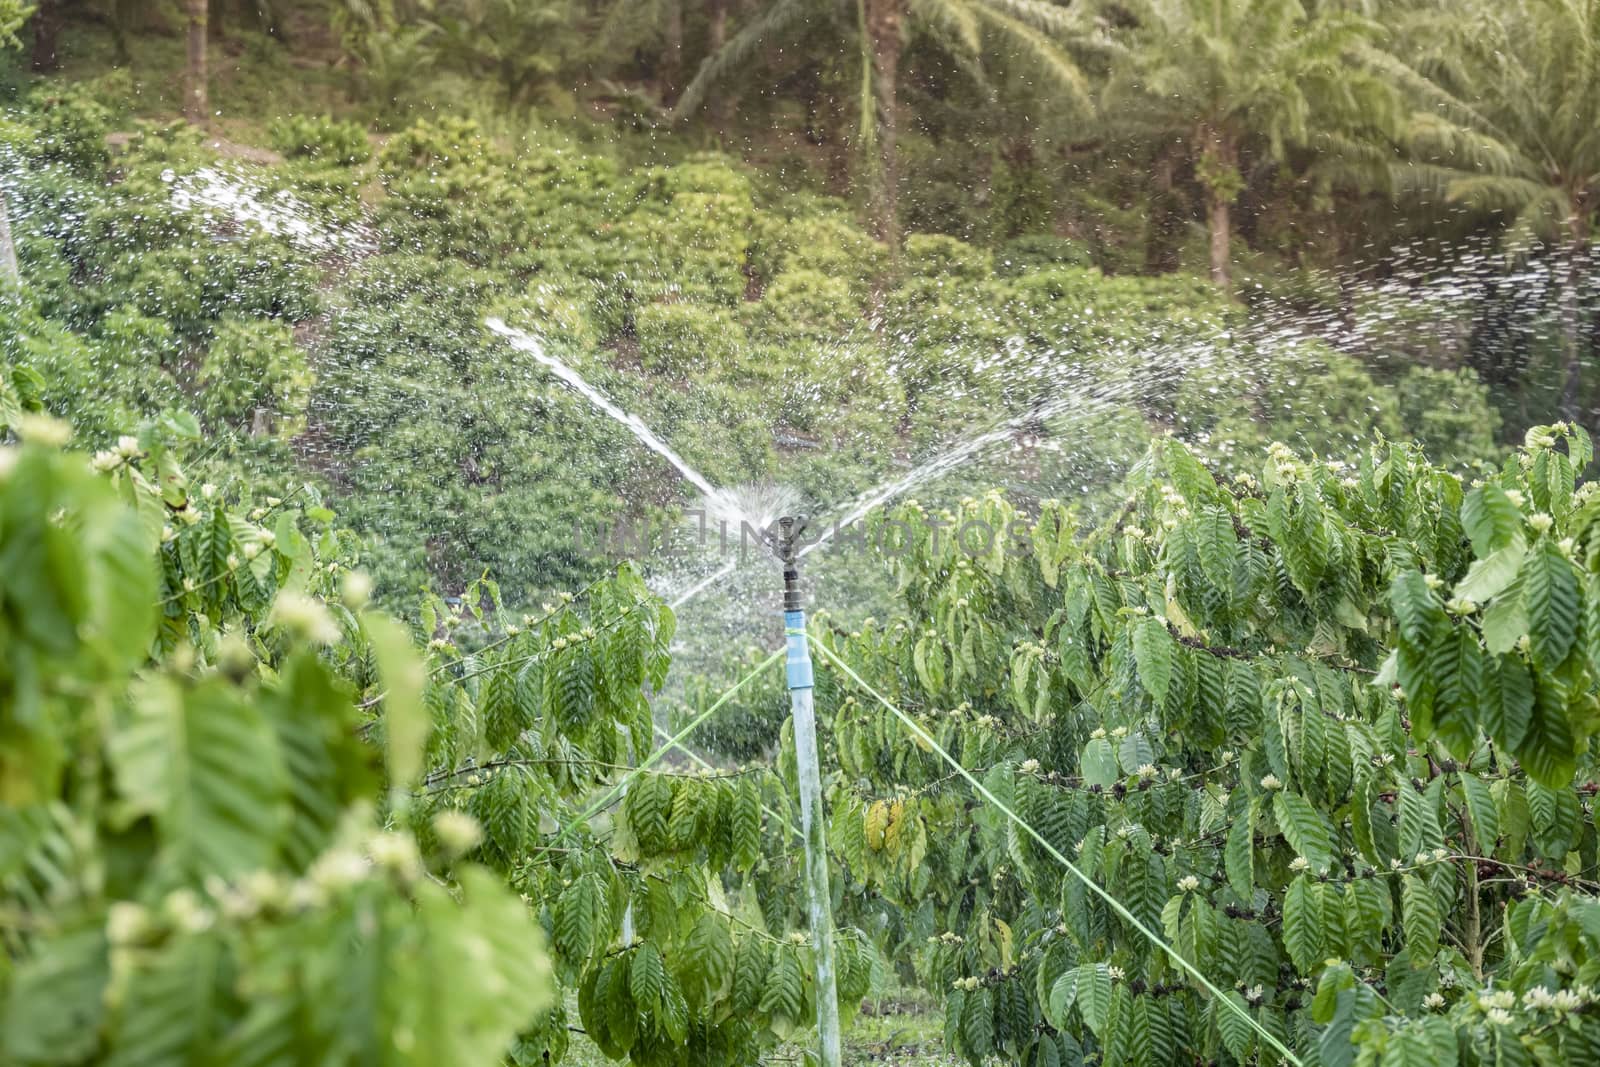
[[819, 899], [9, 274]]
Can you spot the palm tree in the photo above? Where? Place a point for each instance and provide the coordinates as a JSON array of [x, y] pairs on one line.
[[46, 30], [1223, 77], [195, 106], [978, 32], [1510, 121]]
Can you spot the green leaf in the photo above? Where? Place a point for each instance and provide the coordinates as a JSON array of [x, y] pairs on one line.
[[578, 916], [1491, 520], [1421, 918], [1416, 608], [166, 1014], [1099, 765], [1550, 590], [1094, 995], [784, 997], [647, 978], [1239, 855], [1305, 828], [1507, 701], [1233, 1025], [53, 1009], [649, 811], [1549, 748], [1153, 651], [477, 966], [708, 954], [406, 720], [977, 1024], [1481, 810], [745, 823], [1488, 577], [1302, 924], [205, 766], [928, 659]]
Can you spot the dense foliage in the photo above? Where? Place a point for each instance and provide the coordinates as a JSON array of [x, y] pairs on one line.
[[190, 863], [1325, 728], [198, 851]]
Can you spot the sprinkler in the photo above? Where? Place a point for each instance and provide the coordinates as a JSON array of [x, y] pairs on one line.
[[785, 547]]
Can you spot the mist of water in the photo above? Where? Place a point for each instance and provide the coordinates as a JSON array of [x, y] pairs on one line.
[[721, 505]]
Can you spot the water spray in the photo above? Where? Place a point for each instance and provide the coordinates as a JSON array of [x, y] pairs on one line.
[[785, 545]]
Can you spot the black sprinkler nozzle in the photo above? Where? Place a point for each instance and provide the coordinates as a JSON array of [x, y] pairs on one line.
[[785, 546]]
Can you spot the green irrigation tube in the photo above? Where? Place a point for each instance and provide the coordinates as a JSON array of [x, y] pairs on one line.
[[1115, 904]]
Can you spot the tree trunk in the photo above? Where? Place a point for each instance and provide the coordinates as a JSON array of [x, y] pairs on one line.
[[672, 53], [1219, 221], [216, 10], [1571, 326], [717, 30], [196, 107], [838, 145], [10, 276], [46, 28], [716, 37], [1218, 171], [884, 18], [1165, 224]]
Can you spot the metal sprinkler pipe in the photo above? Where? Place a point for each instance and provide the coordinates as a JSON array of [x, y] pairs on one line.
[[808, 771]]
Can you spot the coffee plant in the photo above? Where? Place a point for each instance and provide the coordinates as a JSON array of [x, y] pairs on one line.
[[670, 962], [191, 863], [224, 775], [1324, 729]]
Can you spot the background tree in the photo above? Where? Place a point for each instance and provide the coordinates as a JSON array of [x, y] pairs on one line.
[[1230, 78], [196, 107], [1508, 122], [46, 28], [1033, 34]]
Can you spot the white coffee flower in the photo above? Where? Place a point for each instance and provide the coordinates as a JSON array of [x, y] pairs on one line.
[[457, 831], [305, 616], [126, 922], [42, 429], [1538, 998], [395, 852], [337, 869]]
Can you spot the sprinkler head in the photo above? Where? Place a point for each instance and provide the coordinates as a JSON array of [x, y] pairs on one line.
[[783, 544]]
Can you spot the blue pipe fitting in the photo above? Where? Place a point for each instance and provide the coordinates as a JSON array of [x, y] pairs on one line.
[[798, 664]]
